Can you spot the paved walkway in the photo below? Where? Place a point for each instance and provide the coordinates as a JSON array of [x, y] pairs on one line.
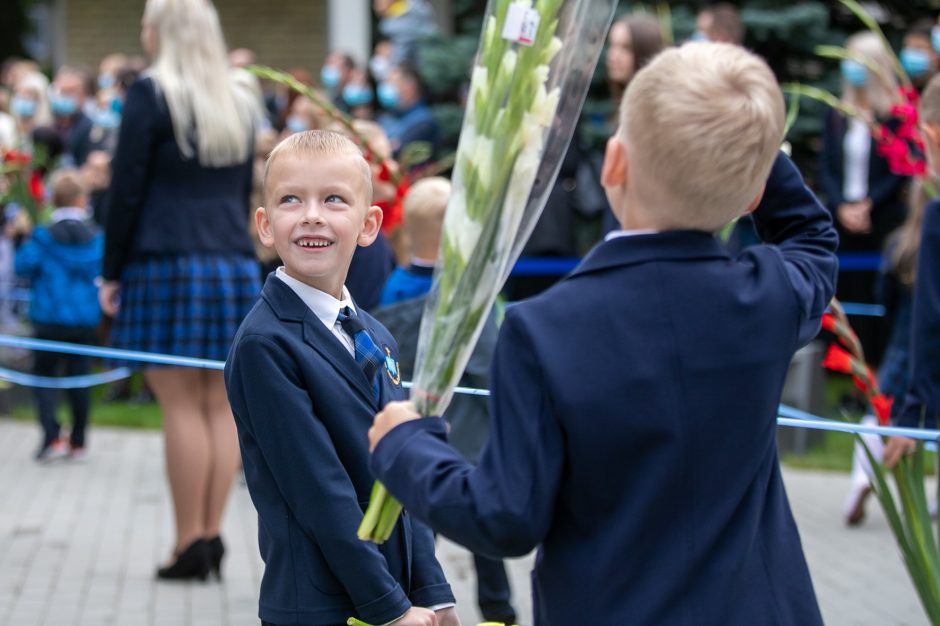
[[79, 543]]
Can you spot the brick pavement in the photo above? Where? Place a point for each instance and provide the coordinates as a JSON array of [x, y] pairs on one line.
[[79, 544]]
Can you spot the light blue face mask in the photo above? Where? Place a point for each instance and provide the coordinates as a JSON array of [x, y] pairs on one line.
[[389, 97], [22, 107], [935, 38], [329, 76], [915, 62], [698, 36], [105, 81], [295, 124], [854, 73], [357, 95], [63, 106], [107, 119]]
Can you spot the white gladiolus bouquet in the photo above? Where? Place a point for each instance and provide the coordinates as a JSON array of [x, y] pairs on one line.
[[528, 85]]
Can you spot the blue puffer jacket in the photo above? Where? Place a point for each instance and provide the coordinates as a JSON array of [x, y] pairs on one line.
[[61, 261]]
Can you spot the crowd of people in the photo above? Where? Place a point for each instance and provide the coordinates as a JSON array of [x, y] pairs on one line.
[[132, 216]]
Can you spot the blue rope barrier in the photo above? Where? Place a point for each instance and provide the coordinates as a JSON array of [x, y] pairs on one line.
[[787, 416], [863, 309], [64, 382]]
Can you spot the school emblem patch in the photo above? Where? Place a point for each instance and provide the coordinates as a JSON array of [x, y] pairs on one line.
[[391, 367]]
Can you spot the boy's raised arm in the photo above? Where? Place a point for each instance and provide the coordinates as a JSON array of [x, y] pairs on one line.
[[310, 476], [790, 217]]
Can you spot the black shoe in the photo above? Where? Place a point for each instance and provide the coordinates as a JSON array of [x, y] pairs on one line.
[[193, 562], [216, 552]]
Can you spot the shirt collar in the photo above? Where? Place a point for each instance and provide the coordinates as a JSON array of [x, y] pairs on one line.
[[323, 305], [68, 213], [614, 234]]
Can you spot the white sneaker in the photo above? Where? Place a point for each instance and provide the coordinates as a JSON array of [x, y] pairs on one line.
[[58, 449]]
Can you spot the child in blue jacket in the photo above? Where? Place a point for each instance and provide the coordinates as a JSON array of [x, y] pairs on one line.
[[61, 261]]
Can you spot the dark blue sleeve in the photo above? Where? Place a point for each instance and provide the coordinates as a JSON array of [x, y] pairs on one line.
[[429, 586], [130, 169], [792, 219], [503, 506], [262, 381], [921, 404], [830, 159]]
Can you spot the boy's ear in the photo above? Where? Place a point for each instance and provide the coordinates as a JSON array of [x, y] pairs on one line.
[[755, 202], [263, 227], [615, 171], [370, 226]]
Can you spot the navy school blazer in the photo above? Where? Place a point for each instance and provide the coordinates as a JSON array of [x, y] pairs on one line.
[[302, 406], [634, 429]]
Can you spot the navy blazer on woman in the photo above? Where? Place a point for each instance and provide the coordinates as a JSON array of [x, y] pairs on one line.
[[302, 406], [162, 203], [884, 186], [634, 429]]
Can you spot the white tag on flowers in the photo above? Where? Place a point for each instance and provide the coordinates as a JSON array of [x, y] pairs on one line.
[[522, 24]]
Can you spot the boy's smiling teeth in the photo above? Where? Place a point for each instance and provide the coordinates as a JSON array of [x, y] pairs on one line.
[[314, 243]]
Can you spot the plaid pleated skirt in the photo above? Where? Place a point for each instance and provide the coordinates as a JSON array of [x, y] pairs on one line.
[[188, 305]]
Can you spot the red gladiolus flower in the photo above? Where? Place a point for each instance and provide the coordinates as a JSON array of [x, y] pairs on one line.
[[860, 384], [882, 405], [36, 187], [19, 158], [838, 360], [829, 322]]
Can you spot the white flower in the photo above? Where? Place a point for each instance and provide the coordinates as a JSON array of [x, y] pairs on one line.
[[489, 34], [540, 73], [460, 230], [554, 46], [508, 66]]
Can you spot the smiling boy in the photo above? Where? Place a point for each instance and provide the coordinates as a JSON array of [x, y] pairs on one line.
[[306, 373]]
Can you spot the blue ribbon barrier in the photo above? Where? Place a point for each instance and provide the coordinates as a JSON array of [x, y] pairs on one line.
[[863, 309], [787, 416], [64, 382]]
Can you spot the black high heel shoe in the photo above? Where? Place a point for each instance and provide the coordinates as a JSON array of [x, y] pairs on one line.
[[216, 552], [193, 562]]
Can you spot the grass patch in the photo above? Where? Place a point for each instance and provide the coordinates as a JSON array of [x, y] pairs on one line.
[[112, 413]]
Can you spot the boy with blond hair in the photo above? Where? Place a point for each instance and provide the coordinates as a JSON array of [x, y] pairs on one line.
[[633, 437], [307, 371]]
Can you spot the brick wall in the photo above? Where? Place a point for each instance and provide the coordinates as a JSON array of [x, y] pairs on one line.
[[283, 33]]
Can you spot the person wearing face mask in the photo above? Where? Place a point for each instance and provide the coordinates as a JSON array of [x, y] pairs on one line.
[[863, 194], [404, 22], [29, 107], [335, 75], [381, 61], [358, 95], [918, 57], [407, 118], [70, 90]]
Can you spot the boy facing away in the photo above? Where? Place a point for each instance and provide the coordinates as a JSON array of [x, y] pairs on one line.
[[306, 373], [633, 436]]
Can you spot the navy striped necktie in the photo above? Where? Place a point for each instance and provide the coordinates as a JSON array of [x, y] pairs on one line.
[[368, 355]]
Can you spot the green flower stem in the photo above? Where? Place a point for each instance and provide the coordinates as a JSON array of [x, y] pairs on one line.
[[873, 26], [352, 621]]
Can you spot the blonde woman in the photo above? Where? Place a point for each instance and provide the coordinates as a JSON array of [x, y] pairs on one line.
[[179, 270], [29, 107], [865, 197]]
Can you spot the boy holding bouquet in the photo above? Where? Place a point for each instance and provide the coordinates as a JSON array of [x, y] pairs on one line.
[[633, 435], [306, 373]]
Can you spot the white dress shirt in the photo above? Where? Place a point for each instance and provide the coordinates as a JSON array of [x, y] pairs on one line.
[[615, 234], [856, 152], [324, 306]]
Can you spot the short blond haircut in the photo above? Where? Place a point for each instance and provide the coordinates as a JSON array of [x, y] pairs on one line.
[[68, 188], [318, 143], [930, 102], [425, 204], [702, 124]]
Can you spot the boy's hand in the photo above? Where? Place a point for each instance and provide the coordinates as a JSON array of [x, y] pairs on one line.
[[896, 448], [447, 617], [392, 415], [417, 616]]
